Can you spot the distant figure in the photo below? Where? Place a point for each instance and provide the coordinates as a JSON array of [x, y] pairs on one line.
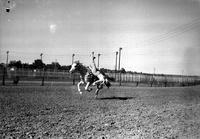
[[16, 80]]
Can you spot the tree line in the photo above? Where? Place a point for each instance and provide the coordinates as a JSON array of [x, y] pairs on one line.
[[38, 64]]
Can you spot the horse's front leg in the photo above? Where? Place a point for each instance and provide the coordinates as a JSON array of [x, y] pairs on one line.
[[78, 85], [87, 87]]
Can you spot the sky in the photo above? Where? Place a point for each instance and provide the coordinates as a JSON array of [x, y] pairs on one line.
[[155, 35]]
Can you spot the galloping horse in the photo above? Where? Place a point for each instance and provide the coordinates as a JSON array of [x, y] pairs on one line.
[[86, 77]]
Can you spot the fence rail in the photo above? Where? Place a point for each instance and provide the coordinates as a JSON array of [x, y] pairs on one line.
[[134, 78]]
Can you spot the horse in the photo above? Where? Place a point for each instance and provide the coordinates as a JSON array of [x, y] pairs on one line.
[[86, 77]]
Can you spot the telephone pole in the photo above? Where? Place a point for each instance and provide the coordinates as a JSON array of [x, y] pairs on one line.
[[41, 56], [73, 80], [42, 84], [119, 58], [98, 60], [7, 59], [119, 66], [116, 64], [92, 54], [5, 69], [73, 58]]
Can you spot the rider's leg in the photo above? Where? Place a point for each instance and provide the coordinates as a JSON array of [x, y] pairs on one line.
[[101, 79], [93, 67], [98, 81]]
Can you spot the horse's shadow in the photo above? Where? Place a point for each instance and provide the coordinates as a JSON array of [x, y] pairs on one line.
[[115, 98]]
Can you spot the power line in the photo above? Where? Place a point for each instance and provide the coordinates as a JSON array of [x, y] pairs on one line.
[[175, 31], [112, 54]]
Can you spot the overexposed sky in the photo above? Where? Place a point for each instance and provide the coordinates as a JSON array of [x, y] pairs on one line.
[[160, 34]]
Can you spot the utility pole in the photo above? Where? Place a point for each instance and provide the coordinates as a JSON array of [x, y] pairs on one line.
[[119, 58], [73, 58], [116, 64], [98, 60], [73, 80], [5, 69], [42, 84], [7, 59], [92, 54], [41, 56], [119, 66]]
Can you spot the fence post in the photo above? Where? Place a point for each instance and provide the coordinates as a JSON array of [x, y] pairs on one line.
[[132, 77], [73, 79], [42, 84], [165, 80], [4, 74], [139, 79], [120, 78]]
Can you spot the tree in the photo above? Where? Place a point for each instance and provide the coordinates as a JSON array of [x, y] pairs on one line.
[[2, 65], [56, 65], [38, 64], [14, 63], [123, 70], [26, 65], [67, 68], [53, 66]]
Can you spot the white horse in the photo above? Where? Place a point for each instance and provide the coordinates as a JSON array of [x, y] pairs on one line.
[[86, 77]]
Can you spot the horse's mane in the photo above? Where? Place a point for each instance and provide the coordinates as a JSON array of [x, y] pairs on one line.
[[82, 68], [82, 65]]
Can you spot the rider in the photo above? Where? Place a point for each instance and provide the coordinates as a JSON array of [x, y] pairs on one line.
[[100, 75]]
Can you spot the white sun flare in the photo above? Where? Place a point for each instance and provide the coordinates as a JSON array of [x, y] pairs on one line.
[[52, 28]]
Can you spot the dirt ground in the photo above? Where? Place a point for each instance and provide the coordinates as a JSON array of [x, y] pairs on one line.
[[119, 112]]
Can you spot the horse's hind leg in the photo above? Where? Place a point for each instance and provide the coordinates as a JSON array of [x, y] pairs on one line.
[[99, 87], [96, 93]]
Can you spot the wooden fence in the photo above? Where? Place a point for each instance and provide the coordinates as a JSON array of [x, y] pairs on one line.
[[132, 78]]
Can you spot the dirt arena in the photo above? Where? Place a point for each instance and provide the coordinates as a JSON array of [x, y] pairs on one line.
[[58, 111]]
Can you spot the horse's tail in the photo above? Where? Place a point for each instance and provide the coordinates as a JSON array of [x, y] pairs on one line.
[[107, 76]]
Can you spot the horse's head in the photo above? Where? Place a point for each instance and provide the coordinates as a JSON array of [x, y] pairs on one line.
[[75, 66]]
